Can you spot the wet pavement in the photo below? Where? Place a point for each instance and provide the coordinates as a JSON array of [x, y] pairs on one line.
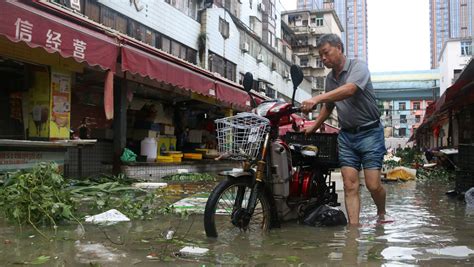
[[428, 229]]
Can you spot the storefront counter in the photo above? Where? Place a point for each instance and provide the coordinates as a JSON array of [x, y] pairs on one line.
[[24, 154]]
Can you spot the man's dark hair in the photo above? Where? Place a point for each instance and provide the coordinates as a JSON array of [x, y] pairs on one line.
[[331, 39]]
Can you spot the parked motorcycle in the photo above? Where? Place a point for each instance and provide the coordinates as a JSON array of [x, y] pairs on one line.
[[281, 178]]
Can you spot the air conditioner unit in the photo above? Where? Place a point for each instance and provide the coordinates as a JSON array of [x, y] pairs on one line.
[[244, 47], [259, 58], [261, 7], [312, 30]]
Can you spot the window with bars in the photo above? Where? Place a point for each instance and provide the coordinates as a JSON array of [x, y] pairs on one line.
[[416, 105], [401, 106], [222, 66], [402, 132], [466, 48], [403, 118]]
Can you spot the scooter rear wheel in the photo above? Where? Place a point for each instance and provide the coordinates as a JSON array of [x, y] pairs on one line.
[[225, 213]]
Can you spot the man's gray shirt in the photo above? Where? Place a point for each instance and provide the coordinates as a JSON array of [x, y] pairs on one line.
[[361, 108]]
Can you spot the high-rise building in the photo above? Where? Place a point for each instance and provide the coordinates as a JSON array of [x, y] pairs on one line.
[[353, 16], [449, 19]]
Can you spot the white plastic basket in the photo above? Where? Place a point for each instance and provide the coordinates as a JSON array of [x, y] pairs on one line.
[[240, 137]]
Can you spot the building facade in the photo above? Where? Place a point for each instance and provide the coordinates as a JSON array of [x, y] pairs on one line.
[[403, 98], [449, 19], [454, 57], [353, 16]]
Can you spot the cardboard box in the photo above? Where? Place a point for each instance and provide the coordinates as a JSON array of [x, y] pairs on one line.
[[166, 129], [140, 134]]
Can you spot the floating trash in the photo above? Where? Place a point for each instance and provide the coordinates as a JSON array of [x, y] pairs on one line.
[[108, 217]]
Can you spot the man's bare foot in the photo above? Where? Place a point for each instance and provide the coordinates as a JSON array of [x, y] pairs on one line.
[[384, 218]]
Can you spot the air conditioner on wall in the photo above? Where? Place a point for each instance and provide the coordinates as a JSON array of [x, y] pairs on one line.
[[244, 47], [259, 58], [261, 7]]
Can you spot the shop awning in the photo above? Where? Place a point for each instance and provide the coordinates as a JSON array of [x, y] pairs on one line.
[[231, 94], [140, 62], [21, 22]]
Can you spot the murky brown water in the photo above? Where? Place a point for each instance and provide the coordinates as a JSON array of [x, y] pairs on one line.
[[429, 229]]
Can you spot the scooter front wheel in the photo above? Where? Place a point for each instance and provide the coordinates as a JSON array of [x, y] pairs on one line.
[[226, 213]]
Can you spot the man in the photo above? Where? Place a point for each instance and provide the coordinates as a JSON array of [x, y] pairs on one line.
[[361, 139]]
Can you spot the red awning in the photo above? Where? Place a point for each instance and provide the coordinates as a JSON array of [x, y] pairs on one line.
[[20, 22], [231, 94], [145, 64]]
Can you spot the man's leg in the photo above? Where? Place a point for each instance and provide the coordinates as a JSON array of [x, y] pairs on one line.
[[351, 193], [373, 184]]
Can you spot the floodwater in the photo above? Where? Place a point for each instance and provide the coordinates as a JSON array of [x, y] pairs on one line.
[[428, 229]]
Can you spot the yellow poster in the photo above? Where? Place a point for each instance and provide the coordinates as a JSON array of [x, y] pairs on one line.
[[60, 104], [39, 94]]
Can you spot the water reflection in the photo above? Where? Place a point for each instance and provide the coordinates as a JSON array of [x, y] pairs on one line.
[[428, 229]]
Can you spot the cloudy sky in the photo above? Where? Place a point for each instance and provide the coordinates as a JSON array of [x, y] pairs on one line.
[[398, 34]]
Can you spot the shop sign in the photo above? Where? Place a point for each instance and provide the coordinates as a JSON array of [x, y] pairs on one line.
[[19, 160], [20, 22]]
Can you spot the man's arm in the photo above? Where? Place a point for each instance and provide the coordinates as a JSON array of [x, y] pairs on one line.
[[326, 110], [338, 94]]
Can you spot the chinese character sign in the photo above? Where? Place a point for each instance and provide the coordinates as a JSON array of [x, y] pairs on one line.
[[23, 30], [25, 23]]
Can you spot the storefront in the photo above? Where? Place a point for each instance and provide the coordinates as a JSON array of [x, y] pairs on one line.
[[66, 81], [41, 55]]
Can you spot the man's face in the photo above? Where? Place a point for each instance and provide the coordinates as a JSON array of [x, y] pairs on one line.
[[330, 55]]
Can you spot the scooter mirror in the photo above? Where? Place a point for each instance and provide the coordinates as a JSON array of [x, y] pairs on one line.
[[296, 76], [248, 81]]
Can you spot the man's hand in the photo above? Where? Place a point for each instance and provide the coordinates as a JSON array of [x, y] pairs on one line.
[[310, 129], [308, 105]]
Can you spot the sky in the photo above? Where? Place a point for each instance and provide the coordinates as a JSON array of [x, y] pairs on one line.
[[398, 34]]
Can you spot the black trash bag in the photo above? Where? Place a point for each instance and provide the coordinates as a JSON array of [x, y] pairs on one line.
[[325, 215]]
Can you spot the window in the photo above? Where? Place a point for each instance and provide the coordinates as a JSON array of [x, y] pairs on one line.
[[402, 132], [319, 21], [319, 63], [401, 106], [304, 61], [318, 82], [165, 44], [224, 28], [270, 92], [416, 105], [466, 48], [175, 48], [417, 118], [92, 10], [220, 65], [403, 118]]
